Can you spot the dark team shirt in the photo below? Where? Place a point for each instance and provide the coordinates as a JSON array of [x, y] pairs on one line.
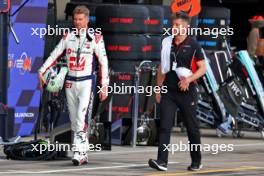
[[186, 54], [261, 32]]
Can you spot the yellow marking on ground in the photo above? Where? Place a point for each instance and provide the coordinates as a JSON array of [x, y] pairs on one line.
[[207, 171]]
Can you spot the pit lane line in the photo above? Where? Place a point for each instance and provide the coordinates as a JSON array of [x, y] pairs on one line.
[[211, 171], [77, 169], [155, 150]]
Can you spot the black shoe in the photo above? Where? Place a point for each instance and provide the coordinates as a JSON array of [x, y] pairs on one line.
[[156, 164], [195, 167]]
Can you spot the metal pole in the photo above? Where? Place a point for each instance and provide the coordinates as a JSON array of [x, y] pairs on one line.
[[3, 68], [110, 109], [135, 110], [136, 102]]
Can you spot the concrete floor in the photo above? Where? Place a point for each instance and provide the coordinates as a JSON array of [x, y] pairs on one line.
[[247, 158]]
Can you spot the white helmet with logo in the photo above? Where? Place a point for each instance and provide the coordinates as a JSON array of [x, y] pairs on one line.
[[55, 78]]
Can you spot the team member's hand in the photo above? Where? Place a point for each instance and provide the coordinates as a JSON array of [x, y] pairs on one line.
[[103, 94], [158, 97], [184, 84], [42, 81]]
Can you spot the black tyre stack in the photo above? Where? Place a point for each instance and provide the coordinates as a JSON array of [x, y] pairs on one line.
[[167, 15], [214, 17], [132, 33]]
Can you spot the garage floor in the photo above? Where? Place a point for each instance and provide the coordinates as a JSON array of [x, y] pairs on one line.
[[247, 158]]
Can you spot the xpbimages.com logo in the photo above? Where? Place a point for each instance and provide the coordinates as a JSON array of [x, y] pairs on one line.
[[124, 89], [58, 31], [196, 31], [47, 146], [213, 148]]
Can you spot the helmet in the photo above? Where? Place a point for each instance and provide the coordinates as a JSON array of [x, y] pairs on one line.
[[256, 18], [183, 72], [55, 79], [257, 21]]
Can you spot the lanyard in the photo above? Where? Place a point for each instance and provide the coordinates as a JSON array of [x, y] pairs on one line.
[[79, 50], [175, 55], [180, 46]]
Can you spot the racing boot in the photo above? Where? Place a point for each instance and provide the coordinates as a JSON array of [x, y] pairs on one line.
[[79, 158], [81, 146]]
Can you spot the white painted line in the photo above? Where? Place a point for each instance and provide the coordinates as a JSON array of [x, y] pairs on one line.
[[77, 169], [117, 163], [155, 150], [124, 152], [109, 167], [245, 145]]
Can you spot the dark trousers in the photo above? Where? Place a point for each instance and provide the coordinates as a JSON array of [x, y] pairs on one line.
[[187, 103]]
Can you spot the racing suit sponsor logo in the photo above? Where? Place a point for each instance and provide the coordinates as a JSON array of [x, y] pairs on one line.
[[87, 45], [69, 51], [77, 67]]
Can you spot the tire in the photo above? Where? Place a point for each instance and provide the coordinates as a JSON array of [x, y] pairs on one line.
[[211, 44], [122, 102], [125, 46], [155, 21], [215, 12], [122, 18], [126, 66], [213, 18], [217, 26], [123, 65], [167, 17], [154, 45]]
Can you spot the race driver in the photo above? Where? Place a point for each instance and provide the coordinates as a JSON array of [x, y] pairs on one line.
[[80, 45]]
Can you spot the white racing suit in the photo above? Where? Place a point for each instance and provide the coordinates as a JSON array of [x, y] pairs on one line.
[[79, 81]]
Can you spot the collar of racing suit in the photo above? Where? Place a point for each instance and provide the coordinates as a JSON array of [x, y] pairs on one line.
[[85, 34]]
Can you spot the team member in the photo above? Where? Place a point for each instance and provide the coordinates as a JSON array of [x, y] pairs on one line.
[[255, 36], [80, 46], [255, 43], [182, 63]]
